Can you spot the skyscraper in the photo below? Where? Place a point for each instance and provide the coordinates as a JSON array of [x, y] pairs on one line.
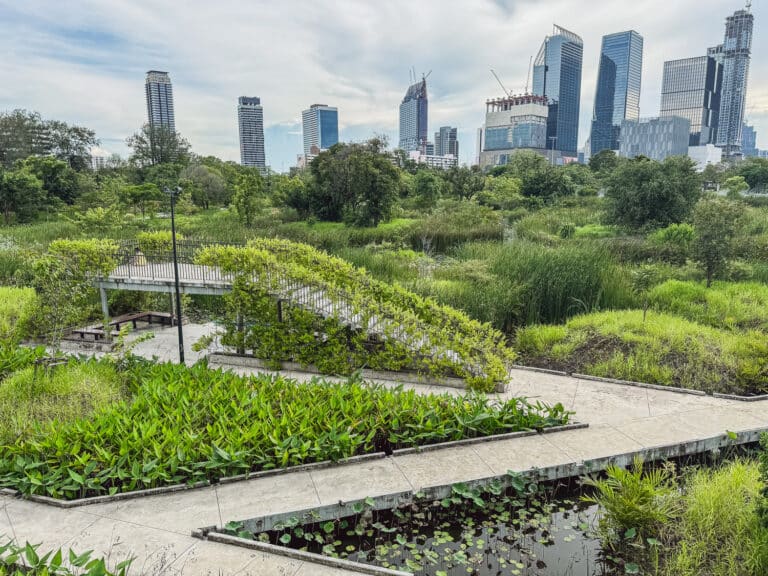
[[557, 75], [618, 88], [320, 128], [413, 118], [691, 89], [446, 142], [748, 141], [250, 118], [159, 92], [736, 50]]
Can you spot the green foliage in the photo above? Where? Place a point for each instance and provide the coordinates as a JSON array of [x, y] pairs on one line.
[[755, 172], [716, 221], [158, 144], [538, 178], [16, 308], [427, 189], [463, 183], [415, 333], [634, 504], [648, 194], [158, 242], [27, 561], [736, 307], [248, 198], [735, 185], [194, 424], [558, 282], [454, 223], [21, 195], [59, 181], [663, 349], [604, 161], [34, 397]]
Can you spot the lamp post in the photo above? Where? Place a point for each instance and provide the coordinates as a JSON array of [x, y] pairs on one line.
[[174, 193]]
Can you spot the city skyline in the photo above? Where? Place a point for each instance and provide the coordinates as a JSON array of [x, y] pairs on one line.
[[62, 58]]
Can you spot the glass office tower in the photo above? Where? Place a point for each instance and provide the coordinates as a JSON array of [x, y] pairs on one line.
[[557, 75], [618, 88], [413, 118]]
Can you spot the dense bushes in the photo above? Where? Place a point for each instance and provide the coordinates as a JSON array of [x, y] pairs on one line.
[[663, 349], [16, 308], [366, 322], [192, 424]]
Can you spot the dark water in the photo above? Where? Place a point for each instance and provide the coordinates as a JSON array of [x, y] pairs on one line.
[[503, 536]]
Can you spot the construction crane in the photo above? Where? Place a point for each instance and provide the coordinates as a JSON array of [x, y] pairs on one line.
[[528, 78], [506, 92]]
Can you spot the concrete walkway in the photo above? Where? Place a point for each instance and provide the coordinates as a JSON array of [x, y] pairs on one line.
[[156, 530]]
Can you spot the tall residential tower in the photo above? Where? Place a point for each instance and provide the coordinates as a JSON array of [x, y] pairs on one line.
[[446, 142], [618, 88], [159, 92], [413, 118], [250, 119], [557, 75], [320, 128], [735, 54]]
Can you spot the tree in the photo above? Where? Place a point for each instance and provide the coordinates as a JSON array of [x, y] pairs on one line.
[[539, 179], [644, 193], [354, 182], [248, 193], [463, 183], [755, 172], [140, 196], [21, 194], [207, 185], [502, 192], [735, 185], [158, 144], [715, 221], [427, 187], [24, 134], [604, 161], [294, 193], [59, 180]]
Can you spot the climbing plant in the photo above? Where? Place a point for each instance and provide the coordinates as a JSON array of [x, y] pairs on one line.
[[338, 318]]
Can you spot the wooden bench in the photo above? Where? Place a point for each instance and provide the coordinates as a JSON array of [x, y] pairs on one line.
[[149, 317], [94, 332]]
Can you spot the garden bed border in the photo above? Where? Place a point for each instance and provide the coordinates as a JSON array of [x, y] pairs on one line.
[[162, 490], [401, 377]]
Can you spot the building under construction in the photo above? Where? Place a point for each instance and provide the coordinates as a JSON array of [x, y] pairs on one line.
[[513, 123]]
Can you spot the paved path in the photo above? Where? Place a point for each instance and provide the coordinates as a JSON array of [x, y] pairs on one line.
[[156, 530]]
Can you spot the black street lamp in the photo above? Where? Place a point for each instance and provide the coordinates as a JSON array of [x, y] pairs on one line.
[[174, 193]]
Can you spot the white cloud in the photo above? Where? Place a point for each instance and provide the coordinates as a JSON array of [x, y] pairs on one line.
[[83, 61]]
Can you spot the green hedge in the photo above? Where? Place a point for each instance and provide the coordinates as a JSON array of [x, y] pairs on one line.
[[663, 349], [193, 424]]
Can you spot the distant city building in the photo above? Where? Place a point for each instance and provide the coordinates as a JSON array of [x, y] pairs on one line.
[[250, 119], [320, 128], [513, 123], [429, 149], [749, 141], [557, 75], [99, 158], [735, 53], [446, 141], [691, 89], [440, 162], [655, 138], [159, 94], [618, 88], [413, 118], [704, 155]]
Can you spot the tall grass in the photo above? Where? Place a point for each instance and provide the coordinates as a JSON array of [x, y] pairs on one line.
[[31, 399], [558, 282], [16, 308]]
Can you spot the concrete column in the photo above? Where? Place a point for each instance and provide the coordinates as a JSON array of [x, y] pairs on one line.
[[105, 313]]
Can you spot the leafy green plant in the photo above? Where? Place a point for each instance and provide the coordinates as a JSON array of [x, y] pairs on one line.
[[635, 504], [26, 561], [186, 425]]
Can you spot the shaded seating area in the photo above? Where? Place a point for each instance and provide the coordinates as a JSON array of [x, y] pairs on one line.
[[97, 333]]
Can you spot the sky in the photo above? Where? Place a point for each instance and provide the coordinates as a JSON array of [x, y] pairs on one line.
[[84, 61]]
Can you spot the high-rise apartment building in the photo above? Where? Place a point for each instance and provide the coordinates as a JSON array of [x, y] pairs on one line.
[[557, 75], [159, 93], [320, 128], [413, 118], [618, 88], [735, 53], [250, 119], [446, 142], [691, 89]]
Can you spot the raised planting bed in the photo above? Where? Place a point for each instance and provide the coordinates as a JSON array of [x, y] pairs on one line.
[[190, 425], [509, 527]]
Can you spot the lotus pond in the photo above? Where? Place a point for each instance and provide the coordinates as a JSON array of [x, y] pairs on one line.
[[518, 529]]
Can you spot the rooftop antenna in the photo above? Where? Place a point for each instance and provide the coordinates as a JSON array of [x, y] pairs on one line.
[[424, 78], [528, 78], [506, 92]]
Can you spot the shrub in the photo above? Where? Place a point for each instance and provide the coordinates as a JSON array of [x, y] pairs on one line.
[[159, 242], [17, 306], [663, 349], [193, 424]]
